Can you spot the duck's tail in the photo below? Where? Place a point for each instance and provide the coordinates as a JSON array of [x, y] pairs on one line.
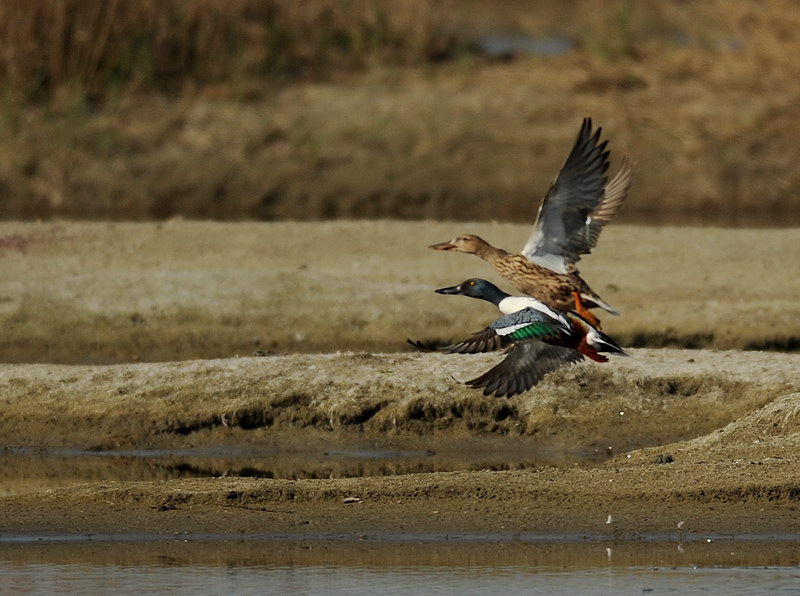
[[599, 341], [593, 299]]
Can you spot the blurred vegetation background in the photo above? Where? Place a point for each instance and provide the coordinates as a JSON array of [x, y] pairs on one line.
[[460, 109]]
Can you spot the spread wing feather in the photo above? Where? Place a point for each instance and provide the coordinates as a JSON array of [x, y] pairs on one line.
[[525, 365], [485, 340], [616, 193]]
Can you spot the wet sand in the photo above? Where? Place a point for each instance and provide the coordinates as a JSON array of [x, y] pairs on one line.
[[703, 438]]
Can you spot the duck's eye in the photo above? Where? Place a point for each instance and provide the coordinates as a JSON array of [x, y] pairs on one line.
[[472, 282]]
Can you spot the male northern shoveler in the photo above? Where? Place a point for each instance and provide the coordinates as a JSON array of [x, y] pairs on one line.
[[540, 339], [568, 225]]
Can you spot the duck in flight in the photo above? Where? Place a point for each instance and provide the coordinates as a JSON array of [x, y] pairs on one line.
[[538, 338], [568, 225]]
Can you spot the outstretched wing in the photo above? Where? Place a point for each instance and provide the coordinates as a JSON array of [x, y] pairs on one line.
[[428, 346], [616, 193], [576, 193], [526, 364], [586, 239], [485, 340]]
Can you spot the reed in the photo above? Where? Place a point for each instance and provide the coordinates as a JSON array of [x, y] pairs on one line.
[[96, 46]]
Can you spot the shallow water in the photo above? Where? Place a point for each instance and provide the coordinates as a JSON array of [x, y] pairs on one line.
[[472, 566], [28, 470], [431, 564]]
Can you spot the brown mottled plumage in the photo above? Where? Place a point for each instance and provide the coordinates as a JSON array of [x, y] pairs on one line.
[[553, 288], [572, 215]]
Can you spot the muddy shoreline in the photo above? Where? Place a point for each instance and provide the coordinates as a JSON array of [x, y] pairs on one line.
[[736, 479], [492, 504]]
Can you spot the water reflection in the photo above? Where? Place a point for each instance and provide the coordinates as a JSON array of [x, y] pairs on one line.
[[469, 567], [28, 470]]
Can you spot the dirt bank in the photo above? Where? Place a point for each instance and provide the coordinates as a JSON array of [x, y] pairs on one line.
[[655, 397]]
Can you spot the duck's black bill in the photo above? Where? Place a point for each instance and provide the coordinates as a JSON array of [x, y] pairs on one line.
[[451, 290]]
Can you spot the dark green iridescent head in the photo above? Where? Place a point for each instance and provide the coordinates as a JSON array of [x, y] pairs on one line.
[[476, 287]]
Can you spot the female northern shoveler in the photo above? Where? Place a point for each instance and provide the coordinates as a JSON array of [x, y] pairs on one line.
[[568, 225], [541, 339]]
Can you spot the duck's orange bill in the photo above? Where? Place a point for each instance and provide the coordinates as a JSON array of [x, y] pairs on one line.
[[443, 246]]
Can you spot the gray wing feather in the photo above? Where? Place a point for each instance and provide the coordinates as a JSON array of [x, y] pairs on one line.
[[617, 189], [525, 366], [485, 340], [576, 193], [616, 192]]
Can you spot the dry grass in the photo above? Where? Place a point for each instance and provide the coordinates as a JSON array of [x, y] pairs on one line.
[[99, 47]]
